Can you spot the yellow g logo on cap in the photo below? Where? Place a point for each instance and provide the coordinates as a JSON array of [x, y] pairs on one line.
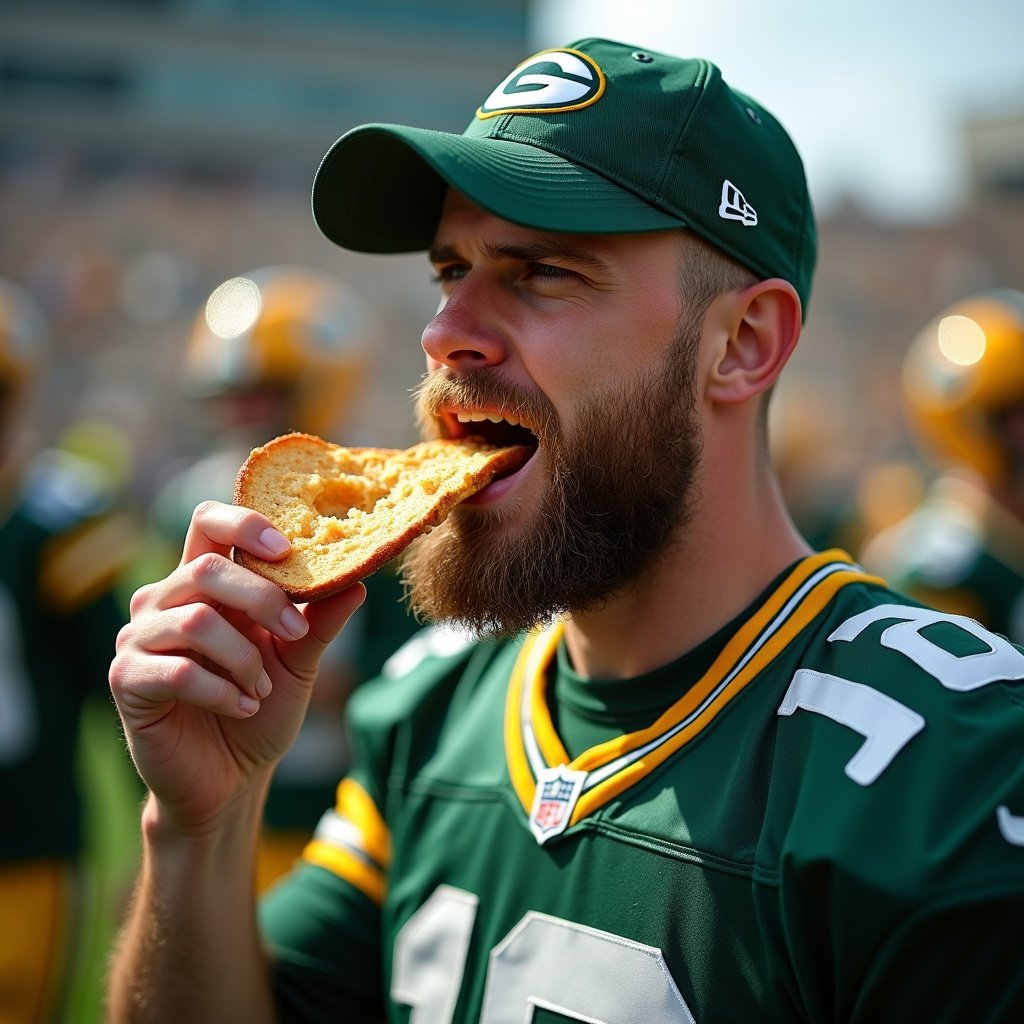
[[549, 82]]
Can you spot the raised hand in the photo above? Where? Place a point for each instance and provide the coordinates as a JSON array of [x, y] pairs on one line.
[[215, 669]]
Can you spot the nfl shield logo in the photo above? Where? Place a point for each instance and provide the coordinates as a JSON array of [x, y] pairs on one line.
[[558, 789]]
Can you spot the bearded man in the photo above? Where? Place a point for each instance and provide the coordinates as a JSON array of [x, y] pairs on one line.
[[672, 764]]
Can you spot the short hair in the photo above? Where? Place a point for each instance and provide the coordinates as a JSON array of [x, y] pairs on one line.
[[706, 272]]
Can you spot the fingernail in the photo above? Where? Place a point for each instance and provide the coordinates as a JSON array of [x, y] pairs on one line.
[[294, 622], [276, 543], [247, 705], [263, 685]]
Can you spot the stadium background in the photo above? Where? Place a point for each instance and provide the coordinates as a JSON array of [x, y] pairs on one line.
[[149, 150]]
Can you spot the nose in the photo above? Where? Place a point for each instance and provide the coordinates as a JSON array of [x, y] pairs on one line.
[[464, 335]]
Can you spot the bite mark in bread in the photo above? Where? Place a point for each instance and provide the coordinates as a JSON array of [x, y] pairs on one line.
[[349, 511]]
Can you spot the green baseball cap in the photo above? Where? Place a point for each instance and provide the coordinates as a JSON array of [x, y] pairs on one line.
[[599, 138]]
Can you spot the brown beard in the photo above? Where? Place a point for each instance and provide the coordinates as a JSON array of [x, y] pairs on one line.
[[619, 487]]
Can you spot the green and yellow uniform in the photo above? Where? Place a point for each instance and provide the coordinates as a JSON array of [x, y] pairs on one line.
[[815, 815], [61, 552]]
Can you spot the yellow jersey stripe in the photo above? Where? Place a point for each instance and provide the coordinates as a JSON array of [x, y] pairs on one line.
[[79, 566], [354, 804], [366, 879], [531, 659], [535, 706]]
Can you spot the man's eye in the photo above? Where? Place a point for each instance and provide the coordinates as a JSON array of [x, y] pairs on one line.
[[446, 274], [549, 272]]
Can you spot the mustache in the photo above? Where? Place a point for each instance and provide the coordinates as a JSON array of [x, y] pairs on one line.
[[481, 388]]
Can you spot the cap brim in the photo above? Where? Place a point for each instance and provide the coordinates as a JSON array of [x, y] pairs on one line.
[[380, 189]]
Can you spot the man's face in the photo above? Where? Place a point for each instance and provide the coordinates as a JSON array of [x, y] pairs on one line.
[[577, 345]]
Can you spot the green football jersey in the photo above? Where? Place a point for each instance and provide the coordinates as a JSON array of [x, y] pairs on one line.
[[61, 551], [816, 815]]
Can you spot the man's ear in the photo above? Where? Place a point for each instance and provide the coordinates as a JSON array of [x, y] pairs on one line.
[[759, 328]]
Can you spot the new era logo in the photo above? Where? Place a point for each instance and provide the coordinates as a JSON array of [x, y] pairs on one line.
[[734, 207]]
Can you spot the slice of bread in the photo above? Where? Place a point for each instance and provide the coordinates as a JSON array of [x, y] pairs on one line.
[[348, 511]]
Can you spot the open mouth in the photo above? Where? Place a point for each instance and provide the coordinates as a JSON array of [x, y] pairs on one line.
[[493, 428], [497, 429]]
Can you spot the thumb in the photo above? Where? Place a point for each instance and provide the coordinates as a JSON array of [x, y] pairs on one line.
[[326, 619]]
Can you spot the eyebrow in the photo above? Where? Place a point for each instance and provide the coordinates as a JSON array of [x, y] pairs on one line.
[[527, 252]]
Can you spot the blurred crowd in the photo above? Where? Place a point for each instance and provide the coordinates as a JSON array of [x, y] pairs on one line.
[[141, 358], [154, 328]]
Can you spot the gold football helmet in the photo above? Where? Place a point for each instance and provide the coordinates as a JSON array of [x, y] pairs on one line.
[[962, 372], [293, 330]]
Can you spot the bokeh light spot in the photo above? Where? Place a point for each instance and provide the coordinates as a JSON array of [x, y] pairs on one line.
[[961, 340], [233, 307]]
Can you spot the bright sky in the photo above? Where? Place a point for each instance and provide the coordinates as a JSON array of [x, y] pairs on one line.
[[874, 92]]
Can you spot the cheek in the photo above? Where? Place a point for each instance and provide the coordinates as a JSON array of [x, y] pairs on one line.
[[564, 376], [579, 361]]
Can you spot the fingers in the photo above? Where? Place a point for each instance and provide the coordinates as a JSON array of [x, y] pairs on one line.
[[163, 653], [189, 653], [207, 573], [171, 678], [193, 635], [203, 631], [216, 527], [214, 579]]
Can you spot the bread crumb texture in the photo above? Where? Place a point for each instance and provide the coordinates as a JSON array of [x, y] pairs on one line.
[[348, 511]]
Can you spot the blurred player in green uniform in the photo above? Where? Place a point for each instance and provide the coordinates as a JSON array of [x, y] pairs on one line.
[[657, 760], [962, 549], [62, 547], [277, 349]]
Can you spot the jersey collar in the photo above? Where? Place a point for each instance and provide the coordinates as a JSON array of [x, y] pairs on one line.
[[557, 791]]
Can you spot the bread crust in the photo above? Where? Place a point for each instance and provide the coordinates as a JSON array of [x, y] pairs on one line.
[[349, 511]]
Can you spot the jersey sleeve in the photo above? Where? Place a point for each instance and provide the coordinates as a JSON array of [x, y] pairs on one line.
[[322, 922], [323, 938]]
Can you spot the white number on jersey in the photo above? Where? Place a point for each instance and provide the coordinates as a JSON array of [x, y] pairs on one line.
[[886, 724], [430, 955], [956, 672], [544, 962]]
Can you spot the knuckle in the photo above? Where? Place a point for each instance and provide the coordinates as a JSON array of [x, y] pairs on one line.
[[204, 509], [250, 661], [196, 619], [118, 675], [124, 638], [240, 516], [140, 600], [207, 566], [179, 672], [268, 601]]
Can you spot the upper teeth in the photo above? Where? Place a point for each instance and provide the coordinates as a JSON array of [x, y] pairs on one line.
[[479, 417]]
